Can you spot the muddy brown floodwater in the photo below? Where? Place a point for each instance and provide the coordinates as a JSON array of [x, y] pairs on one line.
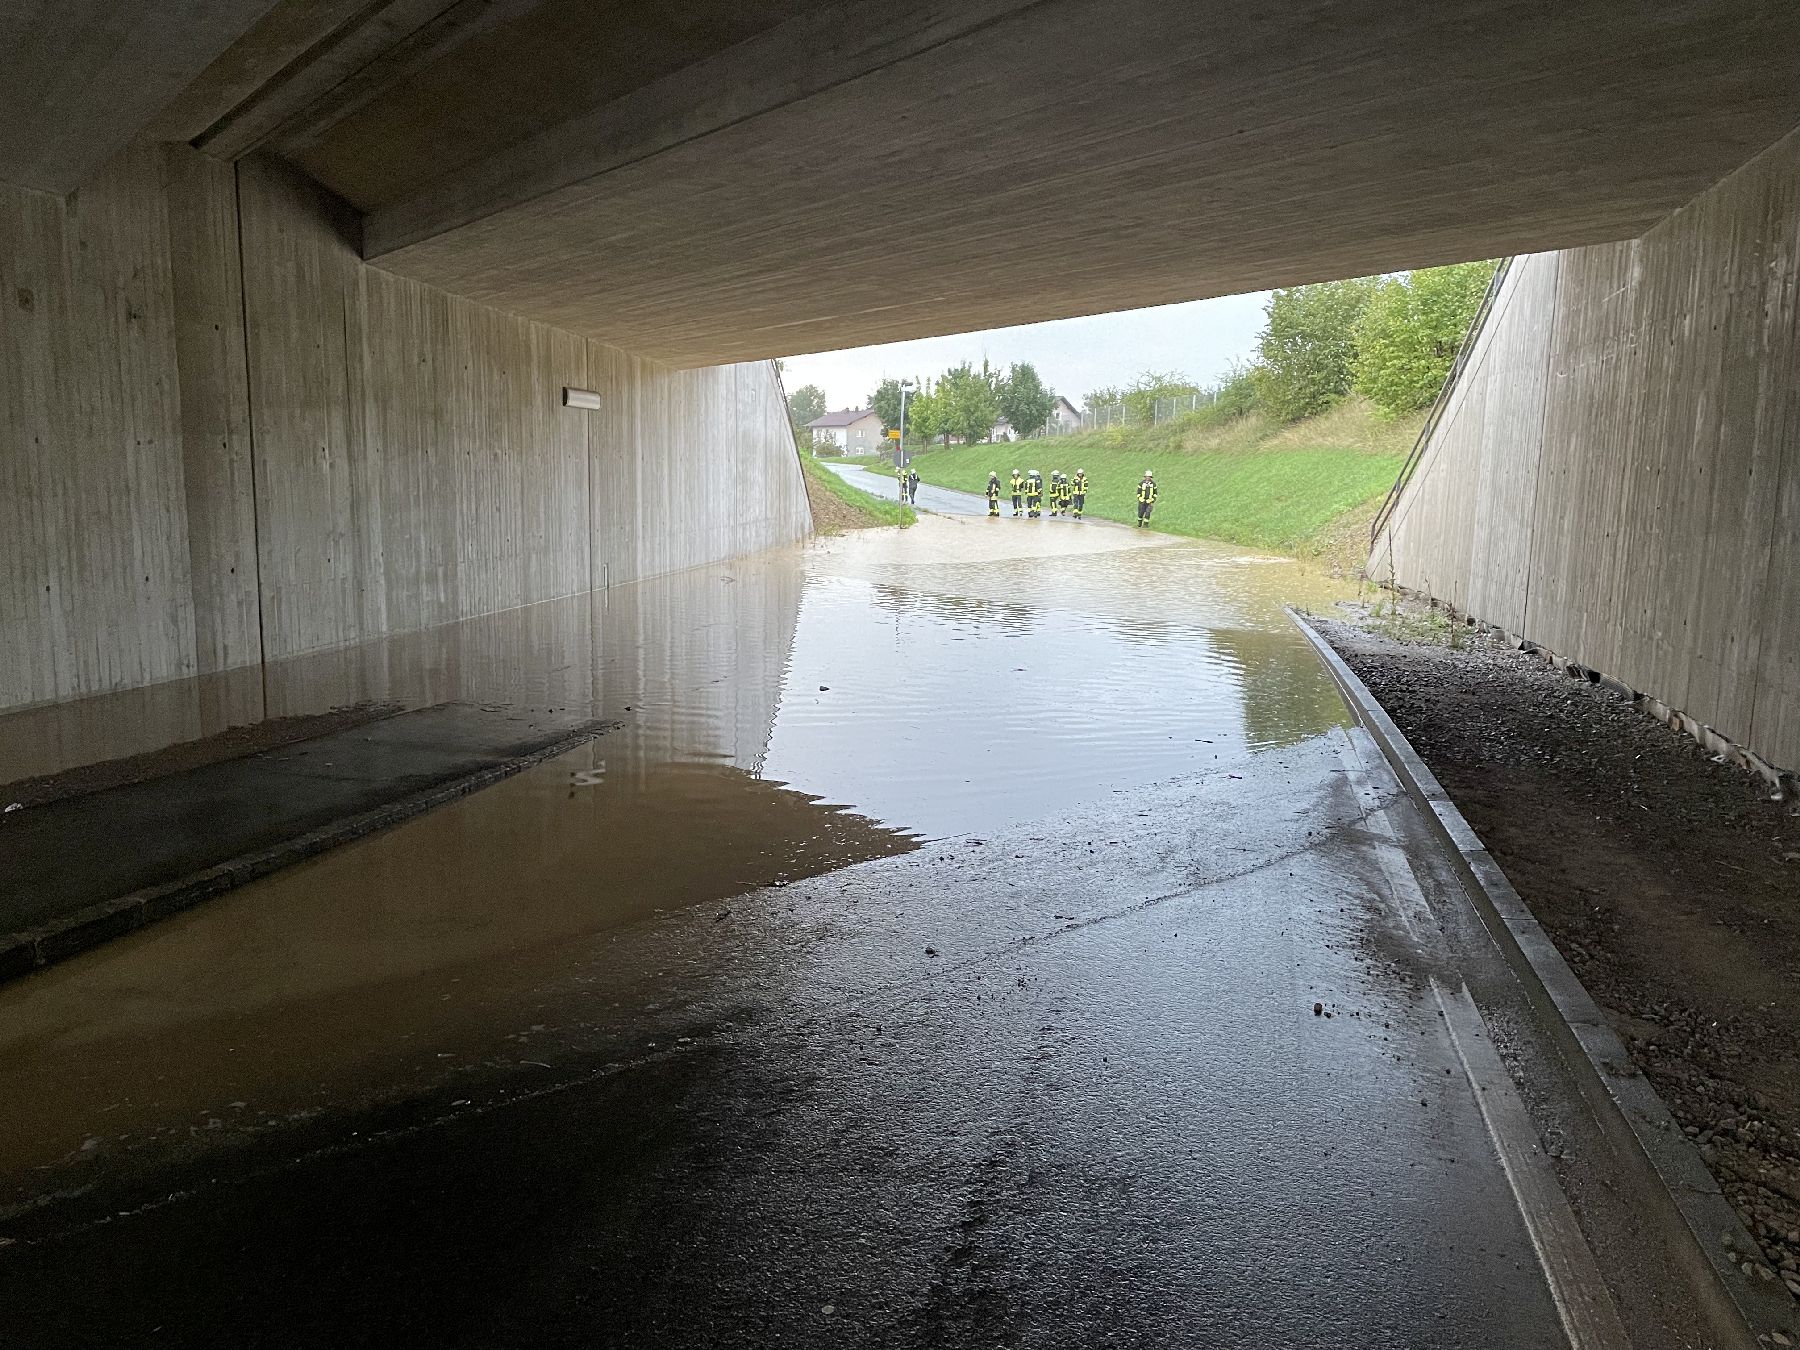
[[783, 716]]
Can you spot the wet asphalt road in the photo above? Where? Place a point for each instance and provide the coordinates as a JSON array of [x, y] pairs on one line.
[[929, 958], [945, 501], [1060, 1086]]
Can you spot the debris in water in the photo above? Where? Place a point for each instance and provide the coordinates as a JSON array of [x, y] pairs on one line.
[[1318, 1009]]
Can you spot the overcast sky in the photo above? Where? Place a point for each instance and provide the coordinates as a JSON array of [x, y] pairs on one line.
[[1200, 339]]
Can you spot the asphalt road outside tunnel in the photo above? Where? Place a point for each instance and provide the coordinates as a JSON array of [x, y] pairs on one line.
[[1041, 961], [944, 501]]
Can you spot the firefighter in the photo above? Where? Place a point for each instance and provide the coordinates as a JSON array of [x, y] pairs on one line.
[[1146, 498], [1078, 493], [1034, 494], [1055, 493], [900, 474], [912, 487], [1067, 502], [1018, 493], [993, 494]]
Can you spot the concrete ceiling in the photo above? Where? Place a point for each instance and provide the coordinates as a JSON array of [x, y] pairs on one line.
[[80, 78], [869, 172], [728, 179]]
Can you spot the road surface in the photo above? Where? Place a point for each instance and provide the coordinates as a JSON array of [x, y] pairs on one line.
[[974, 937]]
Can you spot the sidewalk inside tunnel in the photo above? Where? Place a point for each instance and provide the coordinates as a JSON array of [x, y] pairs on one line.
[[969, 935]]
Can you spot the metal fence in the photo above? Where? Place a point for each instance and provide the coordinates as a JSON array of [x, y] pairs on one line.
[[1123, 414]]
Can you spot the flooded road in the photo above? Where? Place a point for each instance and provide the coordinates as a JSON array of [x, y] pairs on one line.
[[781, 717], [931, 958]]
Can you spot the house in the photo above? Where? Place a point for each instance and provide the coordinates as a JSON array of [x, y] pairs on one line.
[[854, 431], [1063, 417]]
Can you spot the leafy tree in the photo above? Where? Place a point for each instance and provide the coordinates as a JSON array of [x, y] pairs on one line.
[[1141, 396], [805, 404], [1024, 401], [886, 403], [1100, 398], [923, 411], [1308, 346], [1236, 394], [967, 405], [1408, 337]]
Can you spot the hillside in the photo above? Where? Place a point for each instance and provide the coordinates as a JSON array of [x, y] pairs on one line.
[[837, 506], [1308, 489]]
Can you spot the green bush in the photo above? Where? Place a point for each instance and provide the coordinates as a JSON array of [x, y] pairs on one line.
[[1308, 346], [1408, 336], [1236, 396]]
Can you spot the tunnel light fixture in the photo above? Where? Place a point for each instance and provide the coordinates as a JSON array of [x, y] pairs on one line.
[[580, 398]]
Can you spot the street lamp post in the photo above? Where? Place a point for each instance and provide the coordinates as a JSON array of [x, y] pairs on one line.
[[900, 450]]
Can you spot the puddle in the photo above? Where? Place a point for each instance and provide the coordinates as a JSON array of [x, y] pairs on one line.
[[783, 717]]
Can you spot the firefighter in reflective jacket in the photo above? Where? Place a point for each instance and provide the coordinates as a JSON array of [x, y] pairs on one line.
[[993, 495], [1065, 493], [1018, 492], [1078, 493], [1146, 497], [1034, 493], [1055, 492]]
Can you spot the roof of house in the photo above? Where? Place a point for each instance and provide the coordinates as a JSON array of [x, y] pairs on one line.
[[1065, 403], [847, 417]]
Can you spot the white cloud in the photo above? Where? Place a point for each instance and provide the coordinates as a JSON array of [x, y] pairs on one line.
[[1200, 339]]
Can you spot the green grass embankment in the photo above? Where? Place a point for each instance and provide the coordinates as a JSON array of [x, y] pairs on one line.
[[1308, 490], [837, 506]]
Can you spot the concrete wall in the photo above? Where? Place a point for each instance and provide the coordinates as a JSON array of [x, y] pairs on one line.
[[224, 439], [1617, 476]]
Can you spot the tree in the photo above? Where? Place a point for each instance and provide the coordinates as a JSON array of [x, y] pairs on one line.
[[1100, 398], [1308, 346], [922, 419], [966, 404], [1236, 393], [1146, 389], [885, 402], [805, 404], [1023, 399], [1408, 337]]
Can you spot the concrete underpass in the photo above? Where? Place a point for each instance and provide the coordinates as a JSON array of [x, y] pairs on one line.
[[993, 932]]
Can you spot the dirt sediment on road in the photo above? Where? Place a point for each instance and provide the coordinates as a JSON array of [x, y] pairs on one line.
[[1669, 881], [233, 743]]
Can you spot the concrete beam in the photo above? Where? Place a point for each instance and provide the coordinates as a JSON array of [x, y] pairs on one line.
[[824, 48], [852, 177], [80, 78], [353, 65]]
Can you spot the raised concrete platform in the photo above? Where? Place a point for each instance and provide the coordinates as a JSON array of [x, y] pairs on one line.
[[85, 869]]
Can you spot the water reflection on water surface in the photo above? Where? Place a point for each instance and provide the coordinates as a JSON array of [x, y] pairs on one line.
[[781, 717]]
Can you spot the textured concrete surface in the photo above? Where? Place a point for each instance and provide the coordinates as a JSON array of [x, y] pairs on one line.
[[226, 440], [1083, 156], [1617, 474], [655, 179]]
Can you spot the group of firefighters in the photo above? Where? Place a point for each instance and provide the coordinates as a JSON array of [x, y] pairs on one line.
[[1067, 494]]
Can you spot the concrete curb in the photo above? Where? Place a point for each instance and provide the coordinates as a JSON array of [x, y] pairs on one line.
[[1679, 1193], [24, 952]]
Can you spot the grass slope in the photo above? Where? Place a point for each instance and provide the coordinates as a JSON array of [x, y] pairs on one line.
[[1297, 489], [837, 506]]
